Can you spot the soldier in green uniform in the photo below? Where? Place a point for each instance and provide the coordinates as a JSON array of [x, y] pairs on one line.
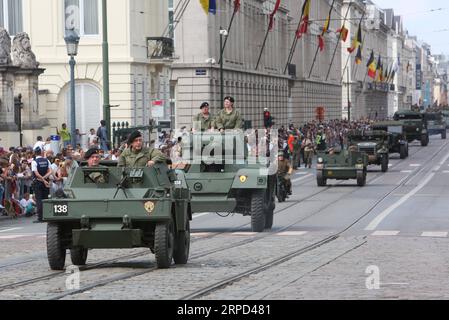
[[93, 161], [203, 121], [137, 156], [284, 171], [229, 118]]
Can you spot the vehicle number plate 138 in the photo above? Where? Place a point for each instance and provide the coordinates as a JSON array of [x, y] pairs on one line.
[[61, 210]]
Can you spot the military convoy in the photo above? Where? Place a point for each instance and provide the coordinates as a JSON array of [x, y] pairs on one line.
[[343, 164], [126, 208], [226, 181], [375, 144]]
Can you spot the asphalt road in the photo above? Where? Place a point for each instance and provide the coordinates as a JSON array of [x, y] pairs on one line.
[[387, 240]]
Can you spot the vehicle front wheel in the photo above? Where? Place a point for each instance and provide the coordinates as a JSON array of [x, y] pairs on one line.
[[443, 135], [321, 181], [424, 140], [257, 211], [403, 152], [164, 244], [79, 256], [361, 178], [55, 248], [384, 163]]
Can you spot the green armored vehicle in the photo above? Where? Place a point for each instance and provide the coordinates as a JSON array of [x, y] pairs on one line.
[[374, 143], [117, 208], [435, 123], [445, 113], [224, 179], [342, 165], [397, 137], [415, 126]]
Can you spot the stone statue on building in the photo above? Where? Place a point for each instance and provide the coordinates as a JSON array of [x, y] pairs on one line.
[[23, 57], [5, 47]]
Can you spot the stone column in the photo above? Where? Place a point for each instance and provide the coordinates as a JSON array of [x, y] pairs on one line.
[[7, 120]]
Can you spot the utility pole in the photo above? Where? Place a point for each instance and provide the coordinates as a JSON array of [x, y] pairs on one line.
[[223, 33], [106, 102]]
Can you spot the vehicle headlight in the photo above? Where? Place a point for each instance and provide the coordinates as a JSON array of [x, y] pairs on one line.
[[320, 160], [359, 166]]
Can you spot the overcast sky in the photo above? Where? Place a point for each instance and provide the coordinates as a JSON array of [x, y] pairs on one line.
[[419, 21]]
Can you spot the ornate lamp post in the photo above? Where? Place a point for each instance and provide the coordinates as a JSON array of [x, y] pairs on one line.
[[72, 40]]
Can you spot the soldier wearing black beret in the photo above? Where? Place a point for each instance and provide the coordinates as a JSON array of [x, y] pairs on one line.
[[204, 120], [138, 156]]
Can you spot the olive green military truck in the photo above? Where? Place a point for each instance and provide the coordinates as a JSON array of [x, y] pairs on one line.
[[397, 137], [415, 126], [115, 208], [374, 143]]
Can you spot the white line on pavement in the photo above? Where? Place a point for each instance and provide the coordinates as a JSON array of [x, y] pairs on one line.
[[385, 233], [378, 220], [303, 178], [435, 234], [11, 229], [199, 215], [415, 165], [292, 233], [406, 171]]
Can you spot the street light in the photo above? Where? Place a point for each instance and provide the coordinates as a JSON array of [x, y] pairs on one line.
[[72, 40], [223, 33]]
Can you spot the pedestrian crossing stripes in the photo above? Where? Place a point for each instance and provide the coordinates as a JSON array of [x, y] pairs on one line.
[[246, 234], [427, 234], [23, 236]]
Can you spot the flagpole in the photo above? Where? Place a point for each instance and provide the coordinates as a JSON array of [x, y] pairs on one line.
[[295, 42], [263, 47], [229, 31], [349, 56], [338, 43], [318, 46]]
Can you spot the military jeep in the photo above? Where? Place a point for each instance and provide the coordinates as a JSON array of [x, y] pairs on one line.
[[435, 123], [415, 126], [397, 136], [342, 165], [227, 181], [445, 113], [129, 208], [374, 143]]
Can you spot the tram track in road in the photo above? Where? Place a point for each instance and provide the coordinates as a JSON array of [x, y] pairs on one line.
[[259, 237]]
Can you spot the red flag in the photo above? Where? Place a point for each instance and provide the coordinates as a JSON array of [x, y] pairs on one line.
[[236, 5], [305, 19], [321, 42], [276, 8], [344, 33]]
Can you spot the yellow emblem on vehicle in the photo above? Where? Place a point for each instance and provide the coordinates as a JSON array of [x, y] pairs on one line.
[[149, 206], [243, 179]]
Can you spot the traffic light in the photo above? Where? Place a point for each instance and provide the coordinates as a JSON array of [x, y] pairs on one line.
[[267, 119]]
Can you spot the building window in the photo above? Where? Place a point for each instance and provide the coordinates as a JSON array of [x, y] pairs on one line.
[[11, 16], [171, 19], [83, 16]]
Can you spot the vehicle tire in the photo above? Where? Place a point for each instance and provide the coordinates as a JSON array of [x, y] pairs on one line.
[[257, 211], [164, 240], [384, 163], [182, 246], [361, 178], [407, 151], [321, 181], [55, 248], [79, 256], [443, 135], [403, 152], [424, 140]]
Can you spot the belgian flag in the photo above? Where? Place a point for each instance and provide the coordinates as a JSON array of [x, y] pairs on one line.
[[357, 40], [371, 66]]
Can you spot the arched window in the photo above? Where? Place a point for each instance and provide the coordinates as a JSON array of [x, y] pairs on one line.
[[88, 107]]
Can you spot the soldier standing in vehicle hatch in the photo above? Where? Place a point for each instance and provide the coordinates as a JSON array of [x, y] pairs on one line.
[[137, 156]]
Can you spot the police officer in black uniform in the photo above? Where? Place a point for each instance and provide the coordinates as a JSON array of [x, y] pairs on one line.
[[41, 172]]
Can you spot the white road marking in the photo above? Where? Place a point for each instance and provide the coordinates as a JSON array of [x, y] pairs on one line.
[[378, 220], [406, 171], [11, 229], [202, 234], [385, 233], [415, 165], [19, 236], [303, 178], [435, 234], [292, 233], [446, 171], [244, 234], [199, 215]]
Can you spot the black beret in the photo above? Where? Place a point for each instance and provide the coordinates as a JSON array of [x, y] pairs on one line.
[[133, 136], [204, 104], [90, 153], [230, 99]]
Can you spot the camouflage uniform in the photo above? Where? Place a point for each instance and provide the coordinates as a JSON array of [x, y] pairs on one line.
[[228, 121], [206, 124], [132, 159]]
